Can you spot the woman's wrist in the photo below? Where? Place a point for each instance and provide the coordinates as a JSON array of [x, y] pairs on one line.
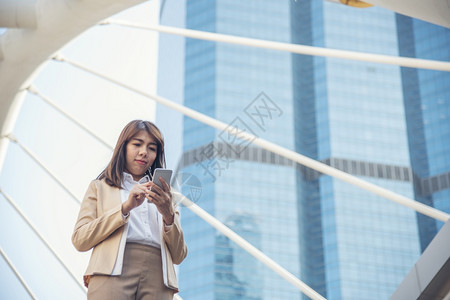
[[125, 209], [168, 219]]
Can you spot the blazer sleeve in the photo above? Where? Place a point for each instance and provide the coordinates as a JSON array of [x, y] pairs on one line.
[[175, 240], [92, 227]]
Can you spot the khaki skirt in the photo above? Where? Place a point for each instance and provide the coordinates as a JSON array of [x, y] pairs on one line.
[[141, 277]]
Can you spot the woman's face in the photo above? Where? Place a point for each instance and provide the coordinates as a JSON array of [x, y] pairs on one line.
[[141, 152]]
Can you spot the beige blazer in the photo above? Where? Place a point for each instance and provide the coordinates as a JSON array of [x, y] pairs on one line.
[[100, 225]]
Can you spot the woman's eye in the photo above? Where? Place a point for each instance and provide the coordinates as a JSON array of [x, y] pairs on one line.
[[152, 149], [137, 145]]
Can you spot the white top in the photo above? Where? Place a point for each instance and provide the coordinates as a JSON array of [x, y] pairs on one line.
[[143, 222], [144, 225]]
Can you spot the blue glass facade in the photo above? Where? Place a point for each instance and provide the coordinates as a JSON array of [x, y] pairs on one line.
[[357, 112], [385, 124], [426, 99], [256, 200]]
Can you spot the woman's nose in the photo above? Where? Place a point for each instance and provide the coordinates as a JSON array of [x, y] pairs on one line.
[[143, 151]]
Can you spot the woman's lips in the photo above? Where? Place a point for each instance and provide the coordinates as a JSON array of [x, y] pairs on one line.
[[141, 162]]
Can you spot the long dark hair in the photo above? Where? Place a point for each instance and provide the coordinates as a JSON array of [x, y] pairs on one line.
[[113, 173]]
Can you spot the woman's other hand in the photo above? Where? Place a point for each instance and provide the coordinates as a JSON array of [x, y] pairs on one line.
[[137, 195]]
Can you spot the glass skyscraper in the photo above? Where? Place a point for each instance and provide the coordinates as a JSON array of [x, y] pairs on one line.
[[427, 107], [385, 124], [250, 190]]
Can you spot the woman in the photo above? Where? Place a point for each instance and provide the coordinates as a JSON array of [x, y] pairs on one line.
[[136, 242]]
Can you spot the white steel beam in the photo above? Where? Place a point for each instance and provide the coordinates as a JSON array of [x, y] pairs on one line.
[[32, 89], [13, 268], [308, 291], [41, 164], [41, 237], [8, 125], [272, 147], [293, 48]]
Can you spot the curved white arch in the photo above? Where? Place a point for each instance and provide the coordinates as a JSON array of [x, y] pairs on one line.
[[46, 26]]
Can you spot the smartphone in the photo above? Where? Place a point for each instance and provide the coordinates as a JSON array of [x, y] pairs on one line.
[[166, 174]]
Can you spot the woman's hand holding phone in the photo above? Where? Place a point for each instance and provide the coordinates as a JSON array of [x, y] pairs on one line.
[[162, 198], [156, 192]]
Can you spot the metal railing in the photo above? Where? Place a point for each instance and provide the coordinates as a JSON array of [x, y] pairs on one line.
[[272, 147], [292, 48]]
